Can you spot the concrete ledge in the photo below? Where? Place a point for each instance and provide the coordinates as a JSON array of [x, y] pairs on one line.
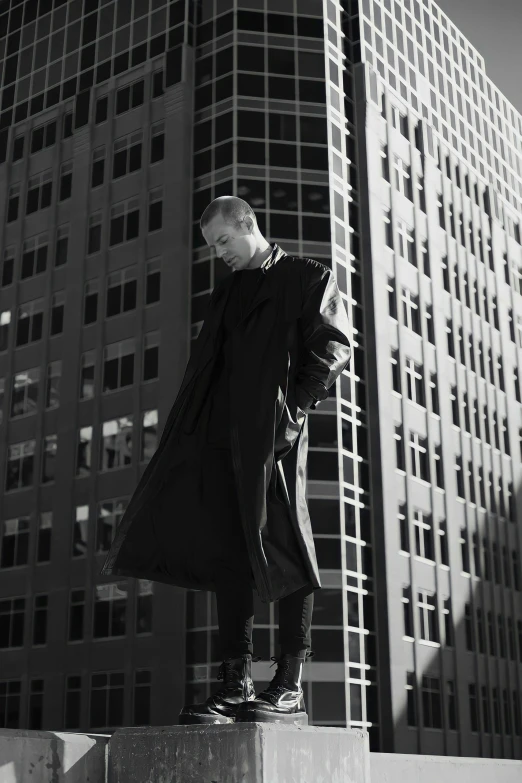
[[52, 757], [411, 768], [239, 753]]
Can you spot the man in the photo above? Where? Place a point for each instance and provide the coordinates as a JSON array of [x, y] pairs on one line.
[[221, 505]]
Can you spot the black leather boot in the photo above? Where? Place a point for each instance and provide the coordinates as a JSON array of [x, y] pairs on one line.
[[222, 706], [283, 699]]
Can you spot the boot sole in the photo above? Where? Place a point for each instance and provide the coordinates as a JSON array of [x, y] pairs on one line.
[[255, 716], [187, 720]]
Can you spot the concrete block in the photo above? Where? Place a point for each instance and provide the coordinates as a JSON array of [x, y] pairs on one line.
[[52, 757], [412, 768], [239, 753]]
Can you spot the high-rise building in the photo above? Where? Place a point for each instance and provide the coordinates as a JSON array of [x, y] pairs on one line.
[[365, 135]]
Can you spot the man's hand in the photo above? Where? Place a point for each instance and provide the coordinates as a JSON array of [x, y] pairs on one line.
[[303, 399]]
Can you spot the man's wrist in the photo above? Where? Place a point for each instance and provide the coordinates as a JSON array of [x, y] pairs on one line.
[[303, 399]]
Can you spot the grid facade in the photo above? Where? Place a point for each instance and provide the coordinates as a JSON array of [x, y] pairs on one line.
[[91, 114], [444, 248], [423, 56]]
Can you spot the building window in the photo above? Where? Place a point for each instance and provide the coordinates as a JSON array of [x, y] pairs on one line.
[[40, 619], [406, 237], [399, 447], [116, 443], [57, 313], [473, 706], [18, 148], [125, 221], [452, 705], [130, 97], [496, 710], [12, 621], [144, 606], [87, 371], [151, 356], [36, 696], [443, 543], [142, 694], [90, 302], [73, 700], [396, 371], [149, 434], [66, 173], [8, 266], [76, 615], [101, 111], [29, 323], [80, 532], [419, 456], [492, 634], [431, 702], [127, 154], [407, 612], [507, 711], [153, 281], [39, 192], [84, 452], [121, 291], [24, 392], [34, 256], [49, 450], [52, 385], [95, 229], [13, 203], [411, 312], [107, 699], [118, 365], [110, 607], [155, 209], [157, 142], [10, 697], [415, 383], [403, 181], [20, 465], [43, 544], [388, 227], [392, 298], [427, 606], [15, 542], [157, 84], [110, 513], [448, 622], [423, 536], [485, 709], [98, 167], [403, 526], [411, 698]]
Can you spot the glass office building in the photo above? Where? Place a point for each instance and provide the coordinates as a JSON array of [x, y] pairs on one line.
[[365, 135]]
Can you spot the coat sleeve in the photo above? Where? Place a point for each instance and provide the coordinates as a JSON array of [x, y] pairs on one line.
[[325, 331]]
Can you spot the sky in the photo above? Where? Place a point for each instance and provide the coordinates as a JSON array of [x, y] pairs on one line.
[[494, 28]]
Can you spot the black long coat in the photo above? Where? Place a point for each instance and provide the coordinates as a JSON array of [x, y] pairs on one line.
[[293, 341]]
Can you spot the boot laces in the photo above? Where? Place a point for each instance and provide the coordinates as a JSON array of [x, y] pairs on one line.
[[279, 682], [227, 667]]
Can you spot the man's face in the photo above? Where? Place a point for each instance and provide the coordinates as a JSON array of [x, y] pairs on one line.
[[235, 246]]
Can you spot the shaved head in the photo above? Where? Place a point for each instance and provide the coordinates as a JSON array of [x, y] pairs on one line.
[[231, 209]]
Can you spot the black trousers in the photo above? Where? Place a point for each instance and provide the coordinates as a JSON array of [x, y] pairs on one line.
[[234, 590], [235, 606]]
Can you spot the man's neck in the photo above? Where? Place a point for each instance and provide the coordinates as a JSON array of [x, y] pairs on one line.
[[264, 255]]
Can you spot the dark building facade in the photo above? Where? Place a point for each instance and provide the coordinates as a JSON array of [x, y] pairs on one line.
[[119, 123]]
